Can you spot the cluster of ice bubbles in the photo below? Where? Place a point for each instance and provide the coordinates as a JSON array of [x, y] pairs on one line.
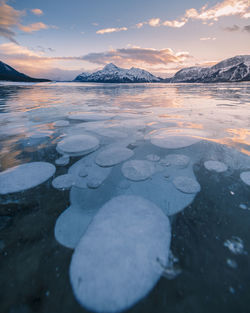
[[122, 192]]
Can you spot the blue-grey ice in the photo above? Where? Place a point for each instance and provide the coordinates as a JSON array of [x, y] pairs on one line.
[[115, 264], [78, 145], [61, 123], [25, 176], [113, 156], [177, 160], [216, 166]]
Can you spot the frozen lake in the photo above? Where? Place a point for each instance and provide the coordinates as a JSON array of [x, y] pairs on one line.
[[121, 197]]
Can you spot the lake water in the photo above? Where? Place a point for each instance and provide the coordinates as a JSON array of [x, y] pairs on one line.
[[137, 158]]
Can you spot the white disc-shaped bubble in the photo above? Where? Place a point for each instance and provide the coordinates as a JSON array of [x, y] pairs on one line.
[[174, 141], [65, 181], [245, 177], [216, 166], [113, 156], [78, 145], [116, 262], [71, 225], [25, 176], [64, 160], [137, 170], [186, 184]]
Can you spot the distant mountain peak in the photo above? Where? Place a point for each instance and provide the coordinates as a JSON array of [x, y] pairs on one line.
[[234, 69], [110, 67], [114, 74]]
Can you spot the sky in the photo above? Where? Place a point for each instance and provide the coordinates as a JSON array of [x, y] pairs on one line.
[[59, 39]]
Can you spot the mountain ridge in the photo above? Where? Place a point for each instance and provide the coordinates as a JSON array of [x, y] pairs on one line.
[[114, 74], [8, 73]]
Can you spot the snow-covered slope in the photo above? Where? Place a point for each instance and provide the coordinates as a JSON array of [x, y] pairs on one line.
[[9, 73], [230, 70], [114, 74]]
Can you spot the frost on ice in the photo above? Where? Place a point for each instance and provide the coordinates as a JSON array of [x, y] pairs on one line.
[[113, 156], [25, 176], [78, 145], [137, 170], [115, 263], [216, 166]]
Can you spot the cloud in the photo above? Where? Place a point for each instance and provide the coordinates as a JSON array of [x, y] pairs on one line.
[[233, 28], [154, 22], [135, 56], [37, 11], [207, 38], [205, 14], [10, 19], [246, 28], [111, 30], [33, 27]]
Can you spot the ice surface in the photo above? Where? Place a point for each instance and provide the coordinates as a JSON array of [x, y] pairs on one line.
[[115, 263], [216, 166], [89, 116], [137, 170], [78, 145], [245, 177], [71, 225], [113, 156], [153, 157], [178, 160], [61, 123], [25, 176], [65, 181], [186, 184]]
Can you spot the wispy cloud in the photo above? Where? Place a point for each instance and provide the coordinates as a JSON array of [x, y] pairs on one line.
[[136, 55], [111, 30], [236, 28], [33, 27], [233, 28], [10, 19], [205, 14], [246, 28], [37, 11], [154, 22], [207, 38]]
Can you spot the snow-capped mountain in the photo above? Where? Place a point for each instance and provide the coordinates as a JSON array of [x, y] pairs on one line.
[[9, 73], [230, 70], [114, 74]]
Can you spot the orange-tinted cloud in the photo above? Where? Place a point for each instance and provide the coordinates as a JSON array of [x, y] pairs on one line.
[[33, 27], [37, 11], [111, 30]]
